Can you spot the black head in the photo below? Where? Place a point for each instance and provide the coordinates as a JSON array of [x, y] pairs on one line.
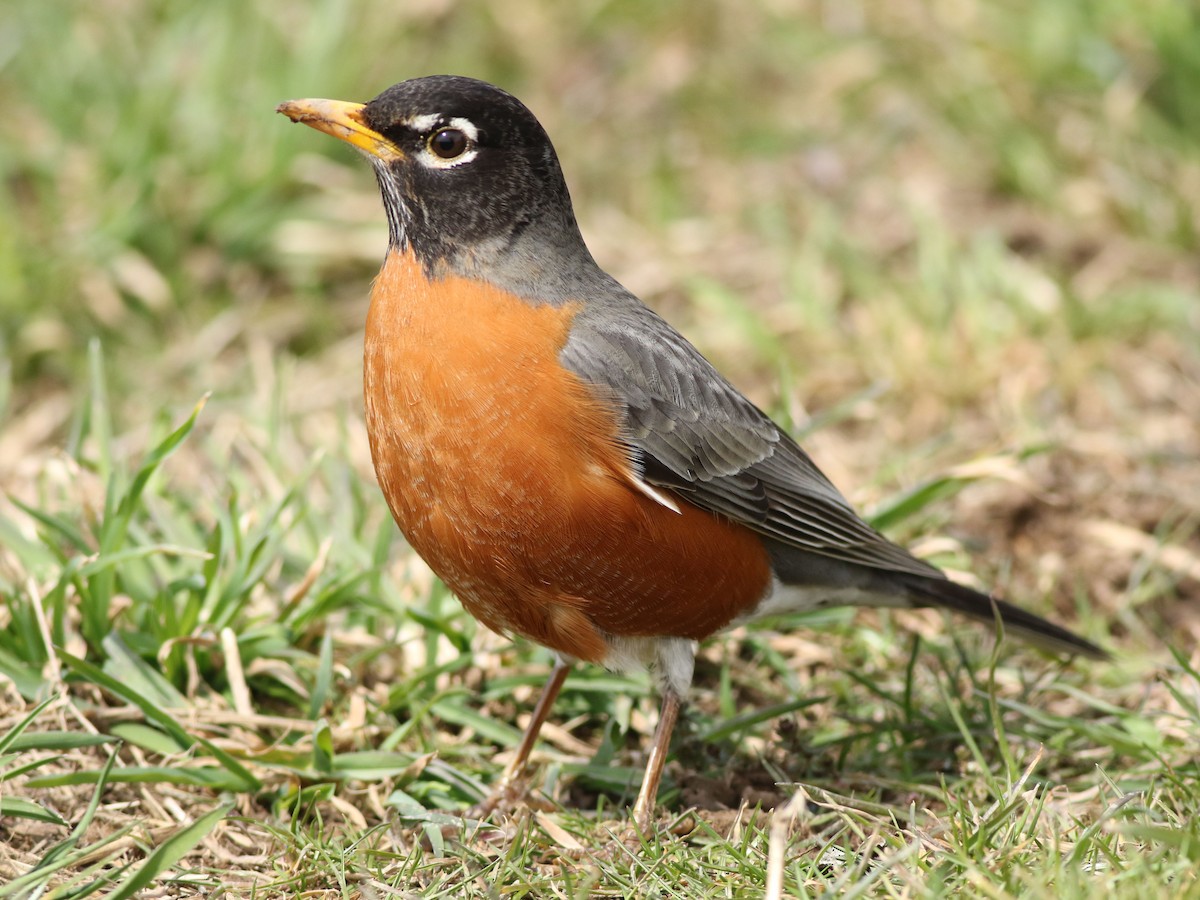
[[465, 169]]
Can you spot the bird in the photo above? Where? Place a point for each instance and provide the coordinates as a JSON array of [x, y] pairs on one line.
[[564, 460]]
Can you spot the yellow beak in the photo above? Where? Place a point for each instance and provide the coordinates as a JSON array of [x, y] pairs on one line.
[[344, 121]]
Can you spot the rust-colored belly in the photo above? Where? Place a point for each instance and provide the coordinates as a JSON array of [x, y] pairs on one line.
[[504, 472]]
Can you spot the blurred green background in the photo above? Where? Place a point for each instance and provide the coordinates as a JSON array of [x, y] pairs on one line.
[[806, 160]]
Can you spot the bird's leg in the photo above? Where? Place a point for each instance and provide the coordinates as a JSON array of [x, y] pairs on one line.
[[511, 787], [643, 809]]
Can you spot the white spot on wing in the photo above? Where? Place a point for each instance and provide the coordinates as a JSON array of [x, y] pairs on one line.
[[654, 494]]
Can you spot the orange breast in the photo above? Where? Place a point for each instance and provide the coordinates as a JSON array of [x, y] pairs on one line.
[[504, 472]]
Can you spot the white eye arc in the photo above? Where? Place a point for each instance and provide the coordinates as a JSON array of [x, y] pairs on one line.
[[432, 124]]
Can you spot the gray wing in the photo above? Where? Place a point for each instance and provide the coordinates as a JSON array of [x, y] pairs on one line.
[[691, 431]]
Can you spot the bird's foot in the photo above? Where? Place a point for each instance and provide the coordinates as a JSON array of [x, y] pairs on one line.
[[510, 795], [628, 840], [496, 817]]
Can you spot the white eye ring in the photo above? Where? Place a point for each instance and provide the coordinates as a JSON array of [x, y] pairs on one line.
[[432, 124]]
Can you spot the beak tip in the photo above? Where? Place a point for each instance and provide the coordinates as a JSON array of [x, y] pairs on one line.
[[343, 121]]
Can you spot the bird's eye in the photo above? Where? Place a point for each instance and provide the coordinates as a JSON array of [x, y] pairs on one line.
[[448, 143]]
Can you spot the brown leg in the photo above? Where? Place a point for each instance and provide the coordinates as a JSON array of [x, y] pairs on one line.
[[643, 809], [509, 788]]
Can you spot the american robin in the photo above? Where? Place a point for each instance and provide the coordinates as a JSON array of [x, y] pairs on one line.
[[568, 464]]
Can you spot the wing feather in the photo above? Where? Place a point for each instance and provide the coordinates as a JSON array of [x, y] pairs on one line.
[[692, 432]]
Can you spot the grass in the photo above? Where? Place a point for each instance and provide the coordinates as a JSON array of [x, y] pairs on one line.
[[952, 244]]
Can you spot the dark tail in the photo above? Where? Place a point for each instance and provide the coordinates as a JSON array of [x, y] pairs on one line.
[[1034, 629]]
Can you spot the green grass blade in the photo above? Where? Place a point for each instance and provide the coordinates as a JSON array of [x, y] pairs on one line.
[[153, 460], [324, 682], [33, 765], [62, 854], [145, 736], [58, 740], [27, 809], [182, 738], [200, 776], [130, 670], [169, 852], [9, 738], [56, 525], [322, 755], [907, 504], [453, 708]]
